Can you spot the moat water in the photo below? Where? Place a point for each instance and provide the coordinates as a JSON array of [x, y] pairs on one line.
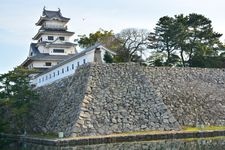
[[183, 144]]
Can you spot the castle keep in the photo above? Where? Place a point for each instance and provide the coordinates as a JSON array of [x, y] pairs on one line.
[[53, 55], [53, 45]]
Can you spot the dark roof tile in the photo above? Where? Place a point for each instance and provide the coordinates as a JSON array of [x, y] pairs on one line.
[[48, 15], [53, 14], [34, 49]]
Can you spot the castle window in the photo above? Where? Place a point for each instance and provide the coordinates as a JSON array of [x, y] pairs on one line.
[[67, 68], [62, 70], [78, 64], [48, 64], [58, 72], [46, 78], [72, 66], [58, 50], [43, 79], [53, 74], [50, 38], [84, 61], [50, 76], [61, 38], [39, 80]]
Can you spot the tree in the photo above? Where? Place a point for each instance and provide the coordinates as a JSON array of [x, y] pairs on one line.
[[108, 58], [208, 61], [156, 59], [131, 44], [15, 99], [128, 44], [100, 36], [163, 37], [201, 39], [181, 36], [189, 36]]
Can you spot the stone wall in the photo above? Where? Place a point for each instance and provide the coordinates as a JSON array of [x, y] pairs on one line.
[[120, 99], [110, 98], [59, 105], [195, 96]]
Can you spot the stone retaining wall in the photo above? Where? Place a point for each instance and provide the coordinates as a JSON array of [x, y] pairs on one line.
[[120, 99], [111, 98], [195, 96]]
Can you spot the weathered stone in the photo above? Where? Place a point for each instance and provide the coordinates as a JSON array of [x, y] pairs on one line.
[[106, 98], [114, 120], [80, 122], [85, 114]]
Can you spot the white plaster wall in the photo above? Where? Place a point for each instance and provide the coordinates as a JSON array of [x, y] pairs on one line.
[[102, 54], [42, 49], [41, 64], [53, 75], [45, 37], [67, 51], [55, 24], [70, 50]]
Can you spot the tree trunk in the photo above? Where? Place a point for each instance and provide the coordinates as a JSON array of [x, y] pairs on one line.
[[168, 58], [190, 57], [182, 58]]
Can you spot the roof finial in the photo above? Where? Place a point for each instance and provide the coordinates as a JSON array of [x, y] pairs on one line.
[[59, 9], [44, 8]]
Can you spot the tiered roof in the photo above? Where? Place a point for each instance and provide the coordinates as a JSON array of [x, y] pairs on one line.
[[51, 15], [52, 32], [43, 56], [35, 54]]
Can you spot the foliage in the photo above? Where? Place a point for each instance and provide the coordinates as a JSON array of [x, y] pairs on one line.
[[163, 39], [108, 58], [208, 61], [189, 36], [156, 59], [15, 99], [100, 36], [129, 44]]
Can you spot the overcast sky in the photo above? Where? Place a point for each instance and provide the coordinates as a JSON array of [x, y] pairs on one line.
[[18, 18]]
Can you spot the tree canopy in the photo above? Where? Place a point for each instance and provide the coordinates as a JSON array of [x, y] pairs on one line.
[[182, 40], [100, 36], [16, 96], [132, 44], [187, 37], [128, 44]]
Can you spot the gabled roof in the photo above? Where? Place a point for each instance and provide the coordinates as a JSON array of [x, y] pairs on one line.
[[53, 44], [34, 49], [50, 15], [37, 56], [45, 57]]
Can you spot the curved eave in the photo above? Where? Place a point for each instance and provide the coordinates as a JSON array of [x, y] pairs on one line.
[[26, 62], [42, 19], [37, 36], [61, 45], [43, 58]]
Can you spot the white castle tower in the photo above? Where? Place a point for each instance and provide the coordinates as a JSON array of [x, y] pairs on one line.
[[52, 44]]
